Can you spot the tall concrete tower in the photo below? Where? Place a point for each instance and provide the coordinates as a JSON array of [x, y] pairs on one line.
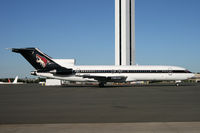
[[124, 32]]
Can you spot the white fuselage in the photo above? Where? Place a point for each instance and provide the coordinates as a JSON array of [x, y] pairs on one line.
[[132, 73]]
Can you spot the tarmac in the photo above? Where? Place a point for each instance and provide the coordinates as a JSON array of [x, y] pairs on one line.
[[163, 107], [159, 127]]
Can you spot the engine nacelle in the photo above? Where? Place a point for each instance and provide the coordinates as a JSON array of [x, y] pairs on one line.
[[62, 72]]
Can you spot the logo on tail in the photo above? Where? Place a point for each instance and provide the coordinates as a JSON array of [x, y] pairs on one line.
[[42, 60]]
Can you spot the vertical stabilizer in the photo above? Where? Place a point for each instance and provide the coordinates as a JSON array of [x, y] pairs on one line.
[[15, 81], [42, 62]]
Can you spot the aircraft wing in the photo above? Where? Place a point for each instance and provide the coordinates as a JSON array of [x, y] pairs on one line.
[[105, 78]]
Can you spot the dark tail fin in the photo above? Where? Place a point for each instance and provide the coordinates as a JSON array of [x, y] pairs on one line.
[[38, 59]]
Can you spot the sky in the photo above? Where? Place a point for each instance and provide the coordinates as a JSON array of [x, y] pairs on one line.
[[167, 32]]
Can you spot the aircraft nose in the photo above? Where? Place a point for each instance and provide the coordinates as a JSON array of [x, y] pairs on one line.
[[192, 75]]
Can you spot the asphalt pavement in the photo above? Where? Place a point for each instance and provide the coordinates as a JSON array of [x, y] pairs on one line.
[[34, 104]]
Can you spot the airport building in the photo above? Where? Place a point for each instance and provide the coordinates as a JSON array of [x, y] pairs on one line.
[[124, 32]]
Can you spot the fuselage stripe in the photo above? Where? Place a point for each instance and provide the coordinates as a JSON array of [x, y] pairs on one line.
[[131, 71]]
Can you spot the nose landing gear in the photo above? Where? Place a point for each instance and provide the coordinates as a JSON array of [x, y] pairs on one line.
[[177, 83]]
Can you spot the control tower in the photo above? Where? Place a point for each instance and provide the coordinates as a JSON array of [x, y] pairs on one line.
[[124, 32]]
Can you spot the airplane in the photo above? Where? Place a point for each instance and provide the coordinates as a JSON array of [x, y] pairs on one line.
[[66, 70], [14, 82]]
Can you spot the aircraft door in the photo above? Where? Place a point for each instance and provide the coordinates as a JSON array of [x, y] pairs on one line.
[[170, 71]]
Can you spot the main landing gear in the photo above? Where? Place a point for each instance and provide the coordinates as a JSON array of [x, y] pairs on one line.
[[101, 84]]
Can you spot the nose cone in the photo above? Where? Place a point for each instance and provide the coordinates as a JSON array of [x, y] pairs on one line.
[[192, 75]]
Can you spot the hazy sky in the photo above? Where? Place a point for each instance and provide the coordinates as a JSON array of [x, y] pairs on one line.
[[167, 32]]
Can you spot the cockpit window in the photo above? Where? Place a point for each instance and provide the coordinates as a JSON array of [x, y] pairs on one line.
[[187, 71]]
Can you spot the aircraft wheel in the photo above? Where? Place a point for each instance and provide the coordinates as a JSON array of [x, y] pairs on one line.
[[101, 84], [178, 83]]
